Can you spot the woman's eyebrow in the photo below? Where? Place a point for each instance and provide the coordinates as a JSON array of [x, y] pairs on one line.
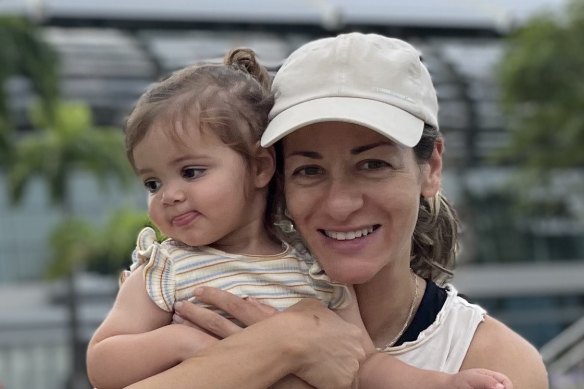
[[361, 149], [307, 154]]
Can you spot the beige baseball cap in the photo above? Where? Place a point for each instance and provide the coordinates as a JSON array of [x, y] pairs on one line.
[[366, 79]]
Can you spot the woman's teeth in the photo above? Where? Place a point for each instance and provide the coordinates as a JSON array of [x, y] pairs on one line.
[[349, 235]]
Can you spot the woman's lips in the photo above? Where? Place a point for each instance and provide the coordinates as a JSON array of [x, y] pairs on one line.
[[184, 219], [350, 235]]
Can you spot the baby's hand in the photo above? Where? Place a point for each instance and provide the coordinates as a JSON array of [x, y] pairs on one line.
[[480, 379]]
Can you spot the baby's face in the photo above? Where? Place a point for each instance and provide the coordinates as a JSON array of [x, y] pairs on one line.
[[197, 192]]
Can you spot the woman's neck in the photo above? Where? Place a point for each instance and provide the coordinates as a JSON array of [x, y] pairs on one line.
[[386, 301]]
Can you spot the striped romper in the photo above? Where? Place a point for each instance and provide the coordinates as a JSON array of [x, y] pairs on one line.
[[172, 270]]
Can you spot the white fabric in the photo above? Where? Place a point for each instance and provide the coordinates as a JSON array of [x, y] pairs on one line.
[[444, 344], [367, 79]]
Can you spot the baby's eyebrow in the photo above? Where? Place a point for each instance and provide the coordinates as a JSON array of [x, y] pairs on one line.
[[143, 171], [181, 159]]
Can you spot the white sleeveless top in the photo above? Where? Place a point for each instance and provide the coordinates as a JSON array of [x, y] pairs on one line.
[[443, 345]]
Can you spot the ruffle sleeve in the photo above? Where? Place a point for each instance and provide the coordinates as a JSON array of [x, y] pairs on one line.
[[340, 298], [159, 270]]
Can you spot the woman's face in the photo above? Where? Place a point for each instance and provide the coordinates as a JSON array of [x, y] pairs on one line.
[[354, 195]]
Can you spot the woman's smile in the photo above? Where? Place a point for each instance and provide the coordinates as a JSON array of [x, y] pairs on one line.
[[349, 235], [354, 196]]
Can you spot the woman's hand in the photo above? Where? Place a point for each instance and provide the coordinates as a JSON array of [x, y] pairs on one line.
[[247, 311], [334, 348], [326, 352]]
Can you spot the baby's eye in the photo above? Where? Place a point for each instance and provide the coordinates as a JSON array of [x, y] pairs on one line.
[[152, 186], [192, 172], [374, 164], [308, 171]]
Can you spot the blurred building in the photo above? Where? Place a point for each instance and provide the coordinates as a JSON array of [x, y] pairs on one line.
[[110, 51]]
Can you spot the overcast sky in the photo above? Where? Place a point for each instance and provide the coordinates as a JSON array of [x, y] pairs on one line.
[[502, 13]]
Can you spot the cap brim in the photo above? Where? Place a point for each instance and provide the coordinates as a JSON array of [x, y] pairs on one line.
[[386, 119]]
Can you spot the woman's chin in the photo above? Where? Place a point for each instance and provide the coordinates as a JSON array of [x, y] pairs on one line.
[[350, 276]]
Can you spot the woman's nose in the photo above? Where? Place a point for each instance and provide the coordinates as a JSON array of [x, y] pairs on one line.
[[343, 199]]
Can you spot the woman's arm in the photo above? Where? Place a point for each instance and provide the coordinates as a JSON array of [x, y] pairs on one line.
[[308, 340], [248, 311], [254, 358], [378, 371], [135, 342], [497, 347]]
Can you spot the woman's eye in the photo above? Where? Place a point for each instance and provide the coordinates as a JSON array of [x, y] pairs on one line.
[[152, 186], [374, 164], [308, 171], [192, 172]]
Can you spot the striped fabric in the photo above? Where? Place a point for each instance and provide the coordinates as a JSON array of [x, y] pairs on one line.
[[173, 270]]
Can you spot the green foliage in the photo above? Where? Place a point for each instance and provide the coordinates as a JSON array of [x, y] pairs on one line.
[[73, 242], [24, 53], [5, 142], [64, 142], [543, 91], [118, 240], [67, 143], [105, 250]]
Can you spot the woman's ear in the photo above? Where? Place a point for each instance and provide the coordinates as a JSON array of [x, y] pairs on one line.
[[433, 171], [264, 166]]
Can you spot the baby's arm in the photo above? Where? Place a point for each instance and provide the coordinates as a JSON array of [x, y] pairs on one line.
[[135, 340], [382, 371]]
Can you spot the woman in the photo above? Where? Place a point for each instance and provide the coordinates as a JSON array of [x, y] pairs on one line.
[[355, 126]]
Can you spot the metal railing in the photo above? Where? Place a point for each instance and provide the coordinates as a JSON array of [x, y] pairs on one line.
[[35, 350], [564, 357], [33, 355]]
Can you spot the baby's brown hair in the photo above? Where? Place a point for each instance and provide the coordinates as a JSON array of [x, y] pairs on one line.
[[230, 100]]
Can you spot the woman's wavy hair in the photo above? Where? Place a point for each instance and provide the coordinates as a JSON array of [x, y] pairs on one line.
[[435, 239]]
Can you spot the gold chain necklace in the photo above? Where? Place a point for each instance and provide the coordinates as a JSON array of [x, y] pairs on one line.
[[401, 332]]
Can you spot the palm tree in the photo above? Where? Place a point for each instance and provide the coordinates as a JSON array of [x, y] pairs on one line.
[[66, 143], [24, 53]]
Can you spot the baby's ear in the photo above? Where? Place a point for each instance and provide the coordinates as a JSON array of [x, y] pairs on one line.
[[432, 171], [264, 166]]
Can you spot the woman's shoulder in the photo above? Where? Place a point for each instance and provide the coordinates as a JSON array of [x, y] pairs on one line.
[[497, 347]]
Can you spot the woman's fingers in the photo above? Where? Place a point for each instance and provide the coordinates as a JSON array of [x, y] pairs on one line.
[[177, 319], [261, 307], [206, 319], [335, 346], [247, 311]]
